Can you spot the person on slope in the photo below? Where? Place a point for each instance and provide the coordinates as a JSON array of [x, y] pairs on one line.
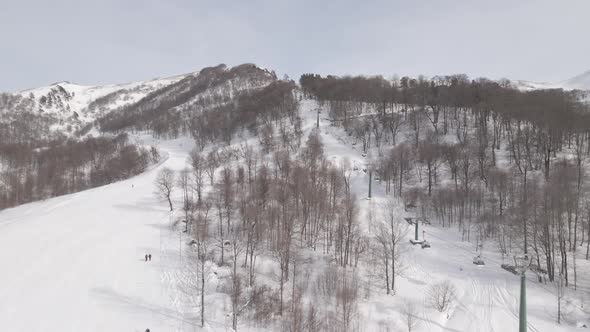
[[146, 257], [150, 257]]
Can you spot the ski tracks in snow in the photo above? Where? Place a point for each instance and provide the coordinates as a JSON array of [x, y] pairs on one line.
[[485, 306]]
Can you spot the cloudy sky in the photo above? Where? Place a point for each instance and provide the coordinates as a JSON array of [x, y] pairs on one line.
[[115, 41]]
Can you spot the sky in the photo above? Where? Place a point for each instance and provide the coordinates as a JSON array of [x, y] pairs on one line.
[[117, 41]]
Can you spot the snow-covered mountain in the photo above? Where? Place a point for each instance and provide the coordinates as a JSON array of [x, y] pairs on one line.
[[580, 82], [64, 99], [66, 107], [528, 86]]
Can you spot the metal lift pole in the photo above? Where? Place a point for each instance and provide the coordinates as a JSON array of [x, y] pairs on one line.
[[522, 315]]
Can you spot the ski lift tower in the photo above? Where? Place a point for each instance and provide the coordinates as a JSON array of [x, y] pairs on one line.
[[370, 165], [317, 125], [522, 265]]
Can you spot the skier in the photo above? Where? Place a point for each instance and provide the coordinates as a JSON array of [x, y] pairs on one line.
[[150, 257], [147, 330], [146, 257]]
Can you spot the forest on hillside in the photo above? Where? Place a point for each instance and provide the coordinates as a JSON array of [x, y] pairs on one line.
[[504, 166], [45, 169], [496, 161]]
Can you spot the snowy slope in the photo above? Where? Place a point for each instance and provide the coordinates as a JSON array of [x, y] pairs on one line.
[[581, 82], [488, 297], [75, 263], [79, 264]]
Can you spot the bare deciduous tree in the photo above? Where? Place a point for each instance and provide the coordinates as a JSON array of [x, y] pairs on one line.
[[211, 164], [559, 293], [346, 299], [165, 185], [441, 295], [188, 205], [198, 164], [410, 312]]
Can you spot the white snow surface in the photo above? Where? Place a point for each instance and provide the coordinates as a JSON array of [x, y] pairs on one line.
[[75, 263]]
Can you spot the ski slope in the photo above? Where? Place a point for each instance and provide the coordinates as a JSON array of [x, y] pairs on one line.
[[76, 262]]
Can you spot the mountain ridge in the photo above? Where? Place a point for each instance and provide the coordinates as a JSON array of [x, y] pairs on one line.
[[68, 107], [581, 81]]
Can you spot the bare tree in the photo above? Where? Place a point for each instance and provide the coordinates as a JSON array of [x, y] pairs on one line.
[[165, 185], [403, 155], [202, 247], [389, 232], [198, 163], [441, 295], [192, 275], [560, 291], [429, 155], [410, 312], [396, 233], [393, 122], [346, 299], [382, 240], [211, 164], [237, 287], [283, 252], [188, 205], [347, 228]]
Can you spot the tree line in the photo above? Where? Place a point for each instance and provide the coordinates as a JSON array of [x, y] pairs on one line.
[[44, 169]]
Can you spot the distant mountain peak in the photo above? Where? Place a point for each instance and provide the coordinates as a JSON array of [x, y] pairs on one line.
[[578, 82], [581, 82], [61, 82]]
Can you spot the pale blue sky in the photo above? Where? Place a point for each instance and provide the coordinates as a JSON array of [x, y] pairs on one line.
[[115, 41]]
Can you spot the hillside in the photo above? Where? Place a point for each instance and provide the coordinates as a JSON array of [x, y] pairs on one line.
[[100, 259], [581, 82], [271, 206], [67, 108], [65, 138]]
